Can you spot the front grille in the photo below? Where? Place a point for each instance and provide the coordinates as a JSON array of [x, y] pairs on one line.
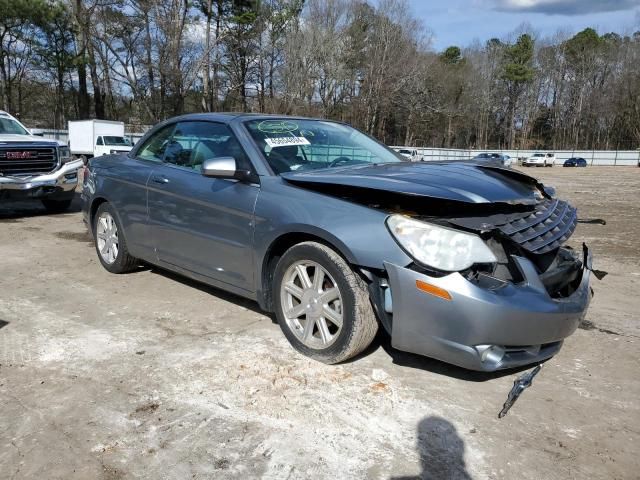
[[544, 230], [27, 160]]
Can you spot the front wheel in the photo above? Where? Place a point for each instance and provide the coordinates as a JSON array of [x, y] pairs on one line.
[[322, 306]]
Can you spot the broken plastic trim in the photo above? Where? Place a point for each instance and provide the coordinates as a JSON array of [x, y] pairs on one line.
[[519, 385], [599, 274], [592, 221]]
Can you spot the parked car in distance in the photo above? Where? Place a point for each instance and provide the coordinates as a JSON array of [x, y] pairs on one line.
[[330, 230], [411, 154], [498, 159], [507, 161], [540, 160], [93, 138], [35, 168], [575, 162]]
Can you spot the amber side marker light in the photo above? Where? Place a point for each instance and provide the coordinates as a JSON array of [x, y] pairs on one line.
[[433, 290]]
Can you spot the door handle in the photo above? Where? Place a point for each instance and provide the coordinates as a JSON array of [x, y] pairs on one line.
[[159, 179]]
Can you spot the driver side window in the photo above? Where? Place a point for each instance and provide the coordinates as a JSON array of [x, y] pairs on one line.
[[193, 142], [154, 147]]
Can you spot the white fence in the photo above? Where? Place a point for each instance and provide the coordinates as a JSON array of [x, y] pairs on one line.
[[593, 157]]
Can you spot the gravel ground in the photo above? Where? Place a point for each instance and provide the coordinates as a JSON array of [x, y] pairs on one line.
[[147, 375]]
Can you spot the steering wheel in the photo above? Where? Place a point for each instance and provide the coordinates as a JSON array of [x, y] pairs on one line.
[[338, 161]]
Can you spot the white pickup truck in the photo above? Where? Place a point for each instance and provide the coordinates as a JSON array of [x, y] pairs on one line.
[[540, 160], [94, 138], [410, 153], [33, 167]]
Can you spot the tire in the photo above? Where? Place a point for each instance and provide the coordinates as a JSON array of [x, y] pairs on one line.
[[56, 206], [113, 260], [359, 324]]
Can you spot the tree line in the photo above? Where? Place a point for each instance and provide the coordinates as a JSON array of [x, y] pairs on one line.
[[371, 65]]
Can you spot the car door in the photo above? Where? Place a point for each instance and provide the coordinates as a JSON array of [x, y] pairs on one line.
[[202, 224], [125, 186]]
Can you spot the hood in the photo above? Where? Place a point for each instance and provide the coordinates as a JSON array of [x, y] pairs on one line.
[[459, 182], [13, 138]]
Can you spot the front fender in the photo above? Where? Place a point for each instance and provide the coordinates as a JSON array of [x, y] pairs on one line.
[[358, 232], [284, 230]]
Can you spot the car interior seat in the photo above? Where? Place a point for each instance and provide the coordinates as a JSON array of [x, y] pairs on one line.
[[175, 153], [282, 158]]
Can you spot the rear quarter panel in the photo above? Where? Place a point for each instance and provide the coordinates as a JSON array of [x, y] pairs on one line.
[[122, 181]]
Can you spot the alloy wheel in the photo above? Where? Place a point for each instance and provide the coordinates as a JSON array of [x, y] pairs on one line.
[[107, 237], [311, 304]]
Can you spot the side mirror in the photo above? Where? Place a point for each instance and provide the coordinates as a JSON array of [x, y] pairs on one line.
[[223, 167]]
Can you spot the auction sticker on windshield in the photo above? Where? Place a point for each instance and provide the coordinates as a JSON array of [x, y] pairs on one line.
[[286, 141]]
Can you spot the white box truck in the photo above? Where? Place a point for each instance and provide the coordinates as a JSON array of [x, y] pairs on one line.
[[92, 138]]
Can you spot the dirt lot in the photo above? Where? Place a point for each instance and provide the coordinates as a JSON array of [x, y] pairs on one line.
[[149, 376]]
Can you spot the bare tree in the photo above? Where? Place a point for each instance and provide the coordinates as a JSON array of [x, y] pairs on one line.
[[363, 62]]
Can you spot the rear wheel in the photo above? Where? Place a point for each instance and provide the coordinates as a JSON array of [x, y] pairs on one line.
[[322, 306], [56, 206], [110, 243]]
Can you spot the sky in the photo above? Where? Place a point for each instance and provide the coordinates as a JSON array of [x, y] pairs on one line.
[[460, 22]]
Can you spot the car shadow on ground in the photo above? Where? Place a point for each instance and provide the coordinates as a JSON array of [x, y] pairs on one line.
[[441, 451], [216, 292], [382, 340], [11, 211]]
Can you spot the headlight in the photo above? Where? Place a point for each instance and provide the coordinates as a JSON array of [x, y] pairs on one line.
[[439, 247], [64, 154]]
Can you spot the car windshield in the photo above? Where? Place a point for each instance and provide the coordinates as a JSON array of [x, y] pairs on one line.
[[297, 145], [408, 152], [8, 125], [538, 154], [118, 141]]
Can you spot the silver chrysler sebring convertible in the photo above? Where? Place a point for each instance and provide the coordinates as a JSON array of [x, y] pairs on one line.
[[339, 236]]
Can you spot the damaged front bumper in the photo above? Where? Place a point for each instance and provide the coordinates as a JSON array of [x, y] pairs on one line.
[[61, 182], [486, 327]]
